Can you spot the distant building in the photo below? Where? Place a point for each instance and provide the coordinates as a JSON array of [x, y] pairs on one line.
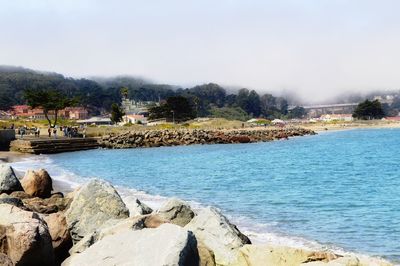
[[336, 117], [136, 107], [25, 111], [134, 119], [75, 113], [95, 121]]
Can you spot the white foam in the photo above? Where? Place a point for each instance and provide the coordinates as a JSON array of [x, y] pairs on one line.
[[64, 180]]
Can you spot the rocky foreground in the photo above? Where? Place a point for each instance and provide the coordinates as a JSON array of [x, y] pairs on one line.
[[157, 138], [93, 226]]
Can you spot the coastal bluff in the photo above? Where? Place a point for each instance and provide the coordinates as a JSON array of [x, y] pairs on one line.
[[158, 138], [94, 225]]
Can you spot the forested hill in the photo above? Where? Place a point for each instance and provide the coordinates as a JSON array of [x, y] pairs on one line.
[[14, 80], [99, 93]]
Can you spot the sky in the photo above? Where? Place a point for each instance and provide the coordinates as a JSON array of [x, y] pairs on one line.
[[314, 49]]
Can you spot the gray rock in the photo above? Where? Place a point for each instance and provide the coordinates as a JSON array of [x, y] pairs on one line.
[[12, 201], [218, 235], [167, 245], [25, 237], [8, 180], [176, 211], [136, 207], [110, 228], [92, 206]]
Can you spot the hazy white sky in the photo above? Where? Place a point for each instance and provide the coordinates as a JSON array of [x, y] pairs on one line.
[[316, 48]]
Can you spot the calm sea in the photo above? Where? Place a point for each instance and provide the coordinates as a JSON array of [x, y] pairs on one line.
[[339, 190]]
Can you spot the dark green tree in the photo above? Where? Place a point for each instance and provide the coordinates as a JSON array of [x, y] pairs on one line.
[[297, 112], [176, 108], [368, 110], [273, 107], [5, 102], [50, 100], [253, 104], [124, 92], [241, 98], [116, 113]]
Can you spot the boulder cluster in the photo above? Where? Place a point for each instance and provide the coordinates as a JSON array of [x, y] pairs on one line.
[[33, 228], [157, 138], [93, 226]]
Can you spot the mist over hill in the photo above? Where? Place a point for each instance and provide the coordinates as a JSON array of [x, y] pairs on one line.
[[98, 93]]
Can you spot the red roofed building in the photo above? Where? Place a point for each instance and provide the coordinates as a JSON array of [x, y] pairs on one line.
[[25, 111]]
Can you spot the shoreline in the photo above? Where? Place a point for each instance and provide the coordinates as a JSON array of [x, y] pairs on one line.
[[351, 126], [12, 156], [272, 239]]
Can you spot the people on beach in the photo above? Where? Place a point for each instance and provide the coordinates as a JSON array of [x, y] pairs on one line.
[[55, 132], [69, 132], [22, 131], [36, 131]]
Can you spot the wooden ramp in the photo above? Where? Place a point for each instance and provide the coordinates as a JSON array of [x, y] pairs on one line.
[[47, 145]]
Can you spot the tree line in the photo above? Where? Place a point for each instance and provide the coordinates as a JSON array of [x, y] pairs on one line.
[[98, 94]]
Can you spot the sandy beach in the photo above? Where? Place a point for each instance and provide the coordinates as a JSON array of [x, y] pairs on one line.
[[317, 127]]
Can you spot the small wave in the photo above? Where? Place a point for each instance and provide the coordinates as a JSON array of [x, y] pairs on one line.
[[64, 180]]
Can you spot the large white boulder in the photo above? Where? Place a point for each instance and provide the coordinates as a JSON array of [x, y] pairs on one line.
[[25, 237], [92, 206], [167, 245], [218, 235]]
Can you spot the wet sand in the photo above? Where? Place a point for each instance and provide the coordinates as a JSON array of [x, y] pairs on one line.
[[11, 156]]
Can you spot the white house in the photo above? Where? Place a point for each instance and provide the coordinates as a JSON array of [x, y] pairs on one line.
[[135, 119]]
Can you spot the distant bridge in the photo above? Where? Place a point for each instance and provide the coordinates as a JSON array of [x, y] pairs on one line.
[[322, 109]]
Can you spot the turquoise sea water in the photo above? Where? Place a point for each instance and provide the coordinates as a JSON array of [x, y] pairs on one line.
[[340, 189]]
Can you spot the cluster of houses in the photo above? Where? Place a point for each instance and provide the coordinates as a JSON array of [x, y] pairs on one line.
[[26, 112], [135, 113]]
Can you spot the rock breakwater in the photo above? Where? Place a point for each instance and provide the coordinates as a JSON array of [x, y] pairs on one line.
[[158, 138]]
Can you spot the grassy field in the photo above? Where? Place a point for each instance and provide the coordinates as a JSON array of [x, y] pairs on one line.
[[209, 124]]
